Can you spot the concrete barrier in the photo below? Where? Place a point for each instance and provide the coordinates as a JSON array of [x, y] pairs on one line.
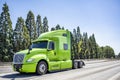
[[5, 63]]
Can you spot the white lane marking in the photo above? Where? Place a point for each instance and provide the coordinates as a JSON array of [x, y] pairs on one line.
[[72, 76]]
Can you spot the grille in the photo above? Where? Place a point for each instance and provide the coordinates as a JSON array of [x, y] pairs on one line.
[[18, 58]]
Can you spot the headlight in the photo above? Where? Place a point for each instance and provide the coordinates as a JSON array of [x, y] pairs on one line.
[[30, 60]]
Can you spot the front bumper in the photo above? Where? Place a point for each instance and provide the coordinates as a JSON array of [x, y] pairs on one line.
[[28, 67]]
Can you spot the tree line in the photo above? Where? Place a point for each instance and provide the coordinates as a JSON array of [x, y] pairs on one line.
[[19, 38]]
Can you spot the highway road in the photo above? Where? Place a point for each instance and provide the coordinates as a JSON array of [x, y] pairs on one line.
[[94, 70]]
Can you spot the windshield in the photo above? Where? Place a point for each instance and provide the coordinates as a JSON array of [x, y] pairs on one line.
[[40, 44]]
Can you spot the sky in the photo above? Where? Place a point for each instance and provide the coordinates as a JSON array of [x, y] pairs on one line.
[[101, 17]]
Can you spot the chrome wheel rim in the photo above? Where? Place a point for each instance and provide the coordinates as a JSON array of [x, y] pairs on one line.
[[42, 68]]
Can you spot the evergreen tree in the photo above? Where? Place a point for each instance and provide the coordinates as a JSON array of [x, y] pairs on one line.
[[6, 33], [21, 36], [26, 38], [52, 29], [30, 24], [86, 46], [18, 35], [95, 48], [1, 39], [101, 52], [78, 34], [75, 45], [45, 24], [39, 27], [118, 55], [81, 49], [63, 28], [57, 27], [91, 48]]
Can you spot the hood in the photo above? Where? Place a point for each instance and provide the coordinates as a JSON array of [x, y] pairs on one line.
[[33, 51]]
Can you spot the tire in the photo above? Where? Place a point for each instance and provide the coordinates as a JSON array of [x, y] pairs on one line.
[[75, 65], [80, 64], [42, 68]]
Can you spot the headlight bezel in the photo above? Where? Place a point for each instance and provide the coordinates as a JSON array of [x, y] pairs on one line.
[[30, 60]]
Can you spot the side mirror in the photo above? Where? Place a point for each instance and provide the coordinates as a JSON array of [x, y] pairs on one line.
[[30, 48]]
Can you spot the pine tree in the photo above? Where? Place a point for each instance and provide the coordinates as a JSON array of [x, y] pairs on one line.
[[52, 29], [57, 27], [39, 28], [18, 34], [75, 45], [81, 49], [26, 38], [118, 55], [91, 47], [63, 28], [6, 33], [86, 46], [78, 34], [95, 48], [1, 40], [30, 24], [21, 36], [45, 24]]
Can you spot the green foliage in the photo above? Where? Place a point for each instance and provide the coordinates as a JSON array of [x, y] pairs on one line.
[[6, 33], [83, 47], [45, 24], [21, 36], [63, 28], [39, 27], [118, 55], [109, 52], [74, 45], [30, 24], [52, 29], [57, 27], [87, 48]]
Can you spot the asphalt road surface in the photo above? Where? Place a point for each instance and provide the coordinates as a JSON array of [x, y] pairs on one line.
[[94, 70]]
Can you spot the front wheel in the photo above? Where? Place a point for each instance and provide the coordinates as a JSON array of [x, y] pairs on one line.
[[42, 68]]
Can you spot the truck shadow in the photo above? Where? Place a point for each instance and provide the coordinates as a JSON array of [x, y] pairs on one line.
[[19, 76], [26, 75]]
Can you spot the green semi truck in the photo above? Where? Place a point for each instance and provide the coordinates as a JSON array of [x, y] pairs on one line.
[[51, 51]]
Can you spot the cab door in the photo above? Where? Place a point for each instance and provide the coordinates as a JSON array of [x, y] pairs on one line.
[[53, 63], [51, 51]]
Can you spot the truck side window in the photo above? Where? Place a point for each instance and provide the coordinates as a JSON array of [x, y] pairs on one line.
[[51, 46], [65, 46], [65, 35]]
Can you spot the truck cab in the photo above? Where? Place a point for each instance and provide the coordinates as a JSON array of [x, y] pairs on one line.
[[50, 51]]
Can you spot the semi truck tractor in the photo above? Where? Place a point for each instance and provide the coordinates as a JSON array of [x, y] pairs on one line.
[[51, 51]]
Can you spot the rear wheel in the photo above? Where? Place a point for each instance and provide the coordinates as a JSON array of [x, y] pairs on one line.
[[42, 68], [75, 65], [80, 64]]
